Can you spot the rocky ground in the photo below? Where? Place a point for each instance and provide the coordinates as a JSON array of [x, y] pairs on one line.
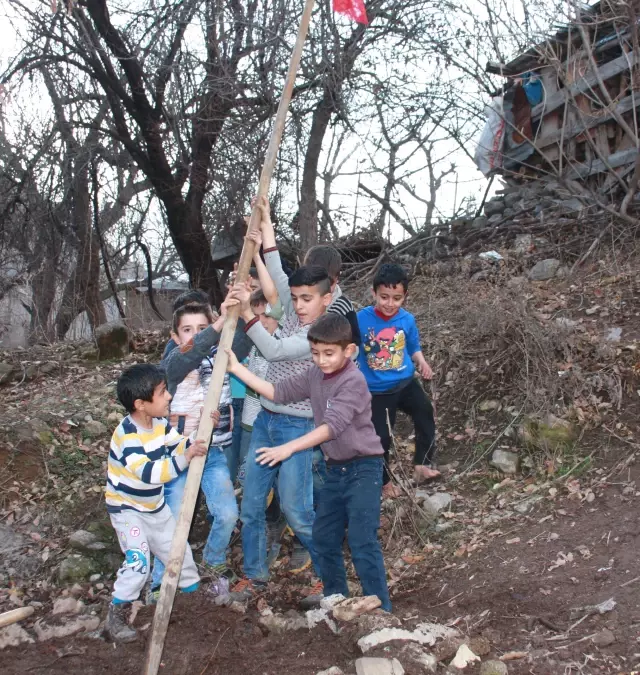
[[523, 559]]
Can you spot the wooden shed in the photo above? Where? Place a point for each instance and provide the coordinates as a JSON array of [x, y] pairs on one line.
[[569, 105]]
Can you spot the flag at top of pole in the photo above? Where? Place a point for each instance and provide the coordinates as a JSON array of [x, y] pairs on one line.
[[354, 9]]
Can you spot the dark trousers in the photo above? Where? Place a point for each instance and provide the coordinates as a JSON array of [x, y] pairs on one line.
[[413, 401], [350, 500]]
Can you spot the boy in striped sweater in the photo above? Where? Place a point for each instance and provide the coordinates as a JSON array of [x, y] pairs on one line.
[[146, 452]]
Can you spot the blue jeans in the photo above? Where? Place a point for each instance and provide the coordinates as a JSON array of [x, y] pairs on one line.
[[232, 452], [350, 498], [294, 484], [221, 503]]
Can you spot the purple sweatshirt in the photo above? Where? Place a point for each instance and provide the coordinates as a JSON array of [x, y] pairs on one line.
[[343, 402]]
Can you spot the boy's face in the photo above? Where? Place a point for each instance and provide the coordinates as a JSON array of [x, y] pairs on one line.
[[308, 303], [158, 406], [255, 284], [190, 325], [331, 358], [269, 323], [389, 299]]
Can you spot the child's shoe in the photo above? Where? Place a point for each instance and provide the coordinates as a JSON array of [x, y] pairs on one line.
[[312, 600], [247, 589], [152, 596], [300, 559], [221, 577], [116, 627]]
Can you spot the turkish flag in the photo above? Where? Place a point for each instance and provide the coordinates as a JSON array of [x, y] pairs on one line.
[[354, 9]]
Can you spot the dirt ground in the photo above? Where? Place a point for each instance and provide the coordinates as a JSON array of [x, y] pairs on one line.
[[515, 563]]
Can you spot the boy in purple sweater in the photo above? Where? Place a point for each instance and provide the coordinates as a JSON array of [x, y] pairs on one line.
[[350, 497]]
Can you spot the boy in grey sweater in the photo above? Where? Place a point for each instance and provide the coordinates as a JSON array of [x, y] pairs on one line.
[[350, 497]]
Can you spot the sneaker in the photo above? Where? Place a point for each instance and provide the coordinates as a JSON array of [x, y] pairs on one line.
[[391, 491], [312, 600], [116, 627], [152, 596], [300, 559], [246, 589]]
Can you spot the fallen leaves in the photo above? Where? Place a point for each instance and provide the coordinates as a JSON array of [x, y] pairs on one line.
[[561, 560]]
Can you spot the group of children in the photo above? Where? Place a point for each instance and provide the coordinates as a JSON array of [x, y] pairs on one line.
[[310, 439]]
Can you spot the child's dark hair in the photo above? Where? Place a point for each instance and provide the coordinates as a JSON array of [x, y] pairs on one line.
[[190, 309], [193, 297], [253, 273], [391, 275], [326, 257], [311, 275], [331, 329], [139, 382], [258, 298]]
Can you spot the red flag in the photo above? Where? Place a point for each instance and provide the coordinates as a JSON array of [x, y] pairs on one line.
[[354, 9]]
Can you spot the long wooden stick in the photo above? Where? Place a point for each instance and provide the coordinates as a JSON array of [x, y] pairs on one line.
[[205, 429], [15, 615]]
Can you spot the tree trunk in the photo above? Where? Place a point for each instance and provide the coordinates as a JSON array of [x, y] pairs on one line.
[[308, 211]]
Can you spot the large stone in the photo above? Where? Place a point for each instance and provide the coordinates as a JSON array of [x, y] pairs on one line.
[[512, 199], [352, 608], [373, 666], [419, 658], [68, 605], [464, 656], [76, 567], [495, 219], [277, 623], [505, 461], [479, 223], [549, 434], [385, 635], [440, 501], [48, 630], [82, 540], [604, 638], [14, 635], [6, 372], [95, 428], [334, 670], [544, 269], [494, 207], [494, 668], [113, 341]]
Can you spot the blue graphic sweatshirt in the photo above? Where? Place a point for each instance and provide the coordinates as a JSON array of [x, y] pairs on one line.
[[388, 343]]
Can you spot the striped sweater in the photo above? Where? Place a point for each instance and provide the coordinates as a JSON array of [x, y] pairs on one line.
[[140, 462]]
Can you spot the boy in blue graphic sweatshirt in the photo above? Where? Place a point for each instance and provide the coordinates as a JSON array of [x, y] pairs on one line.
[[389, 356]]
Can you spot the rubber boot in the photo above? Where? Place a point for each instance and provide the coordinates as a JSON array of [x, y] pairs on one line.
[[116, 627]]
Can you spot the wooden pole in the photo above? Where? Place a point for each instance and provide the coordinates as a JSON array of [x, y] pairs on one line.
[[15, 615], [205, 429]]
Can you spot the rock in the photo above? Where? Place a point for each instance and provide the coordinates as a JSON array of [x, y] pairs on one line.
[[571, 205], [494, 219], [512, 199], [276, 623], [81, 540], [464, 656], [48, 367], [604, 638], [31, 371], [422, 660], [372, 666], [114, 417], [494, 207], [67, 606], [14, 635], [505, 461], [488, 405], [385, 635], [614, 334], [544, 269], [95, 428], [6, 372], [549, 434], [440, 501], [334, 670], [349, 609], [481, 275], [76, 568], [479, 223], [527, 505], [112, 340], [479, 645], [523, 243], [50, 630], [95, 577], [331, 600], [447, 648], [379, 619], [509, 213], [494, 668], [516, 282]]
